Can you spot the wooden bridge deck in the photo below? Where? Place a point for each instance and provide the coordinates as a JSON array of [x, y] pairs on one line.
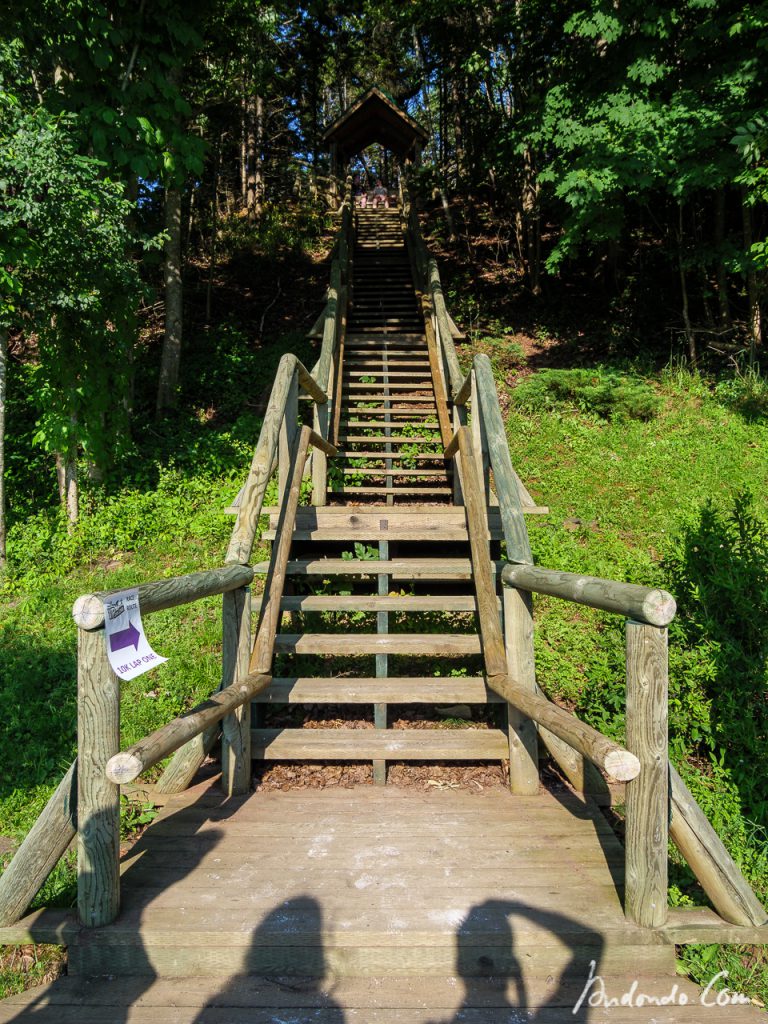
[[370, 904]]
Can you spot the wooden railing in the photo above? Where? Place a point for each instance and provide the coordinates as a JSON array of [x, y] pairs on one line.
[[86, 803], [658, 804]]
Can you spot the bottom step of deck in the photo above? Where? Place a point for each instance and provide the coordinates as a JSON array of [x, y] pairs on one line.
[[367, 906]]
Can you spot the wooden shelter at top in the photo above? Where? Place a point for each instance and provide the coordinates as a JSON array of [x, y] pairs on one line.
[[373, 117]]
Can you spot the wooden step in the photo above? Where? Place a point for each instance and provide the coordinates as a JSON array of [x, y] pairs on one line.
[[369, 471], [248, 999], [431, 489], [379, 744], [394, 456], [367, 439], [390, 385], [443, 691], [397, 568], [426, 644], [378, 603]]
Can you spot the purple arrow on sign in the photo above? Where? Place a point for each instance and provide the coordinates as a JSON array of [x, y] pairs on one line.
[[125, 638]]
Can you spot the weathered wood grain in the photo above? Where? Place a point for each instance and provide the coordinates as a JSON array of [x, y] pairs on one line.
[[269, 617], [88, 610], [617, 762], [647, 799], [652, 606], [433, 644], [381, 744], [515, 531], [494, 654], [129, 764], [98, 804], [42, 848], [523, 735], [709, 860], [236, 726], [244, 530]]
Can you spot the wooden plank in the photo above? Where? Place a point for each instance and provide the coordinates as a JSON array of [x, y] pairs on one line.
[[700, 925], [647, 796], [42, 848], [372, 744], [235, 656], [433, 644], [425, 997], [720, 877], [398, 568], [366, 690], [523, 735], [98, 798], [371, 532], [375, 603], [429, 489]]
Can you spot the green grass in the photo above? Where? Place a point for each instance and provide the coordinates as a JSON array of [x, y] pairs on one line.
[[674, 497]]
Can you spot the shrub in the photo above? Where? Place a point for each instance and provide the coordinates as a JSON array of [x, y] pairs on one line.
[[600, 392]]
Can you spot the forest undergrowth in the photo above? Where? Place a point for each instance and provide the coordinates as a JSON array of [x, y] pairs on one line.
[[653, 472]]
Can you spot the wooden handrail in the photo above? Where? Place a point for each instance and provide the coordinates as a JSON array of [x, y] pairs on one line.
[[652, 606], [510, 506], [88, 609], [129, 764], [617, 762]]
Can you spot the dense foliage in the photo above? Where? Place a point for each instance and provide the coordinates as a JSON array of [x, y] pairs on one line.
[[594, 172]]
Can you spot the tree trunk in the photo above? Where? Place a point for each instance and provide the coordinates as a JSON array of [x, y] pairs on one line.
[[71, 496], [171, 355], [721, 274], [690, 336], [753, 291], [244, 154], [214, 231], [258, 166], [250, 156], [529, 205], [3, 391]]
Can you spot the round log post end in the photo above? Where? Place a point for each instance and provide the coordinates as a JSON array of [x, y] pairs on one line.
[[621, 765]]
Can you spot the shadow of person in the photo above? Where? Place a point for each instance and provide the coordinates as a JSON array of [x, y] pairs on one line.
[[489, 964], [285, 968], [114, 974]]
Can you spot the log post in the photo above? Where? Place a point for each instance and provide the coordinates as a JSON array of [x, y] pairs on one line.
[[647, 806], [98, 805], [523, 737], [288, 429], [44, 845], [236, 727]]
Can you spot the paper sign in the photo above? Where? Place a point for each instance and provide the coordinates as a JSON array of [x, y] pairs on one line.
[[128, 649]]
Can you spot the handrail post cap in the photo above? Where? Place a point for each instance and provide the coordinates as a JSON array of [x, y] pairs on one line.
[[88, 612]]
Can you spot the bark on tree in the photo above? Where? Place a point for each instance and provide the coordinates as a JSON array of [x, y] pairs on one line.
[[689, 334], [721, 274], [171, 355], [529, 203], [753, 290]]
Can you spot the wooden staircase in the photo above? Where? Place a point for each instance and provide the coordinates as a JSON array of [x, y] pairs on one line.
[[388, 430], [378, 904]]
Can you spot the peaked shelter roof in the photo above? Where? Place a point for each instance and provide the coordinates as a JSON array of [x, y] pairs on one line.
[[374, 117]]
